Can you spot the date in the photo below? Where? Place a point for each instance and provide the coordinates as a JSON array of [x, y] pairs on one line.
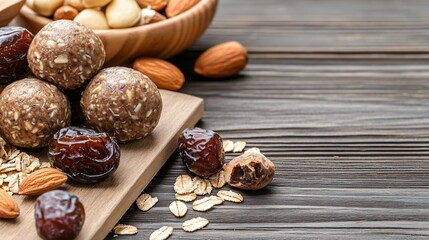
[[58, 215], [201, 151], [14, 44], [85, 155]]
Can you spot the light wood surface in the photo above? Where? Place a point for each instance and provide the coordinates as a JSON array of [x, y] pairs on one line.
[[348, 131], [106, 202], [8, 10], [162, 39]]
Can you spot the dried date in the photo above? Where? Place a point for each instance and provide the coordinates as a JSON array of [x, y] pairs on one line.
[[58, 215], [14, 44], [85, 155], [201, 151]]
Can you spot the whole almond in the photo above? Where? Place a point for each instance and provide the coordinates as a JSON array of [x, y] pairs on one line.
[[42, 181], [154, 4], [8, 206], [176, 7], [223, 60], [164, 74], [65, 12]]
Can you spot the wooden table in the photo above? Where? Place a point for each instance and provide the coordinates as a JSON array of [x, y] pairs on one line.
[[337, 95]]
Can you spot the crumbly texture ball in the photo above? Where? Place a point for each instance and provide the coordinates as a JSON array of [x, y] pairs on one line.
[[66, 53], [31, 111], [122, 102]]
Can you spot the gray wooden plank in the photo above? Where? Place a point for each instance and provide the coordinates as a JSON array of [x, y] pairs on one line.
[[308, 26], [337, 95]]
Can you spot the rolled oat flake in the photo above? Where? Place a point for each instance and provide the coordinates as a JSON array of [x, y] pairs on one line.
[[162, 233], [178, 208], [230, 196], [194, 224]]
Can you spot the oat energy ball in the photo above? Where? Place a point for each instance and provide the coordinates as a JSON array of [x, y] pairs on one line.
[[66, 53], [122, 102], [31, 111]]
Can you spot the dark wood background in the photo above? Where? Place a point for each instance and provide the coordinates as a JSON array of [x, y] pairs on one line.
[[337, 95]]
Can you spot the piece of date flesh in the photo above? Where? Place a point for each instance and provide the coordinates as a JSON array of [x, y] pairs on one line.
[[14, 44], [84, 155], [201, 151], [59, 215]]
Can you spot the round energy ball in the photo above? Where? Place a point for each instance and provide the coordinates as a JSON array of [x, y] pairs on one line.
[[31, 111], [122, 102], [66, 53]]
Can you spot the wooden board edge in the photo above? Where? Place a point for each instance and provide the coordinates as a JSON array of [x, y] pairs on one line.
[[168, 150]]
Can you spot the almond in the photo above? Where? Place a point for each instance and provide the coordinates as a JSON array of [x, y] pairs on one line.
[[8, 206], [164, 74], [65, 12], [42, 181], [176, 7], [223, 60], [154, 4]]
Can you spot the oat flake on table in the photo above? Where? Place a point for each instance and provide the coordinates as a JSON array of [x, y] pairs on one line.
[[230, 196], [194, 224], [162, 233], [145, 202]]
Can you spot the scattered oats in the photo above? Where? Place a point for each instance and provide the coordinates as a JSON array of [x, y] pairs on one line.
[[15, 182], [178, 208], [183, 184], [194, 224], [187, 197], [239, 146], [162, 233], [203, 204], [45, 165], [216, 200], [230, 196], [218, 179], [202, 186], [228, 146], [123, 229], [146, 202], [14, 166]]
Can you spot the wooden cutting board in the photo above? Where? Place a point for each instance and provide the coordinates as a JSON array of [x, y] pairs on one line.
[[106, 202]]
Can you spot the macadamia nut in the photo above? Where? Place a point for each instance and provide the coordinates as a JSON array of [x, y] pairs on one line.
[[92, 18], [46, 7], [66, 53], [31, 111], [95, 3], [77, 4], [122, 102], [123, 13]]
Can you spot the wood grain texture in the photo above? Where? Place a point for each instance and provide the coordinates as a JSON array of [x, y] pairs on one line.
[[348, 131], [107, 201], [327, 26], [162, 39], [8, 10]]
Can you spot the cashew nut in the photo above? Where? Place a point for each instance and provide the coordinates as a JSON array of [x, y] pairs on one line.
[[123, 13], [46, 7], [92, 18], [95, 3], [77, 4]]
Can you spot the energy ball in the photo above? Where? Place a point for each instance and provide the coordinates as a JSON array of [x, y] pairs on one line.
[[122, 102], [31, 111], [66, 53]]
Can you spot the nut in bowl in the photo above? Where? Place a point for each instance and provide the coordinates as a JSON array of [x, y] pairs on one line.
[[161, 39]]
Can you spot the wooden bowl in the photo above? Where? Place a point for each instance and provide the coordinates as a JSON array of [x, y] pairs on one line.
[[162, 39], [8, 10]]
